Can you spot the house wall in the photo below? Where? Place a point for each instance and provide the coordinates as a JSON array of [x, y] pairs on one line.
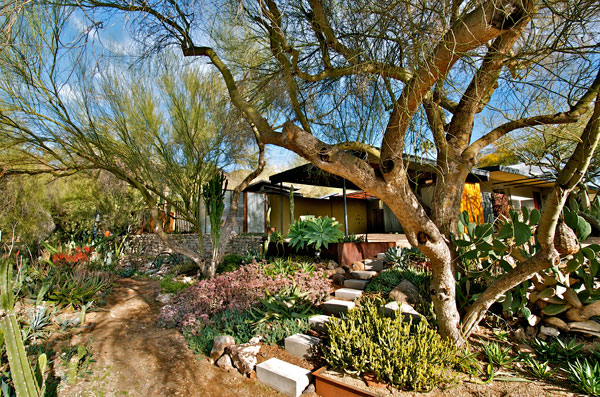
[[332, 207], [146, 247]]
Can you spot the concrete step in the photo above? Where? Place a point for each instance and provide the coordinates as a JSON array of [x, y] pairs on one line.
[[363, 274], [356, 284], [284, 377], [376, 265], [301, 345], [381, 256], [318, 322], [348, 294], [337, 306]]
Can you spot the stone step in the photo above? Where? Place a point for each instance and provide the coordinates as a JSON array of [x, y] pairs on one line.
[[376, 265], [356, 284], [363, 274], [284, 377], [381, 256], [301, 345], [336, 306], [318, 322], [348, 294]]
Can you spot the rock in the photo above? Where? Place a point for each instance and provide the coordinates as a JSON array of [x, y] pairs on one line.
[[220, 343], [549, 331], [164, 298], [310, 389], [520, 334], [332, 265], [405, 292], [531, 332], [338, 279], [225, 362], [255, 340], [340, 270], [330, 273], [244, 356], [356, 266], [524, 349]]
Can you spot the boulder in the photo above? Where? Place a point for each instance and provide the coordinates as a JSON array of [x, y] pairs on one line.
[[338, 279], [520, 334], [164, 298], [220, 343], [405, 292], [244, 356], [330, 273], [225, 362], [332, 265], [340, 270]]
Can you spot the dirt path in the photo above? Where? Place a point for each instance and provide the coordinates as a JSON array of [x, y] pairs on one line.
[[135, 357]]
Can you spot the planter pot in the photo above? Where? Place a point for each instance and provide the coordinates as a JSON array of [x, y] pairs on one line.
[[342, 253], [348, 253], [329, 387]]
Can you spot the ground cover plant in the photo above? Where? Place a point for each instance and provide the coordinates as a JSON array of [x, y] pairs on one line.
[[237, 290]]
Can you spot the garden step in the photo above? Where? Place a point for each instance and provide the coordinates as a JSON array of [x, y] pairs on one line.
[[363, 274], [301, 345], [318, 322], [376, 265], [381, 256], [349, 294], [356, 284], [284, 377], [335, 306]]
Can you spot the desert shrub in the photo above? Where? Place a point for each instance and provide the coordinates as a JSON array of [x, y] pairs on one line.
[[169, 286], [237, 290], [289, 303], [230, 263], [397, 352]]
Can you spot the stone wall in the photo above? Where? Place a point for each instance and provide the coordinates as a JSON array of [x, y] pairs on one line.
[[146, 247]]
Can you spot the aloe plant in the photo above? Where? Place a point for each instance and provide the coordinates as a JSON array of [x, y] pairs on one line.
[[317, 232]]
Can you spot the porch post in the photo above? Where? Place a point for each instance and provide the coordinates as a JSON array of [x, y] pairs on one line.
[[345, 212], [281, 206]]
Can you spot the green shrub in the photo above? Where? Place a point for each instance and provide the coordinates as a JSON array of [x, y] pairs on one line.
[[397, 352], [169, 286], [230, 263]]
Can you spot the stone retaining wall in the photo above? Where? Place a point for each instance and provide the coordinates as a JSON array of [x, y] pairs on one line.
[[146, 247]]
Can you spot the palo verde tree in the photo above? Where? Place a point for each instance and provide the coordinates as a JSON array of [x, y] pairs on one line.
[[370, 75], [164, 128]]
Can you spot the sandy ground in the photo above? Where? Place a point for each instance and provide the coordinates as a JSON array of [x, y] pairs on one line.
[[135, 357]]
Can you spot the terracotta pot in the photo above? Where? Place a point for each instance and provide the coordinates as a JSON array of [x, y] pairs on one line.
[[328, 387]]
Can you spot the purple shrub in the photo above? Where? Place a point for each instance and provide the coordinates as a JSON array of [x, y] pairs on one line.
[[238, 290]]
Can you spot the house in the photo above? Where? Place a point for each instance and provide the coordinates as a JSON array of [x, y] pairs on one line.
[[489, 192]]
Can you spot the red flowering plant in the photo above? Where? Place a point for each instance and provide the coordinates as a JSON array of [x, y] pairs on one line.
[[74, 258], [237, 290]]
